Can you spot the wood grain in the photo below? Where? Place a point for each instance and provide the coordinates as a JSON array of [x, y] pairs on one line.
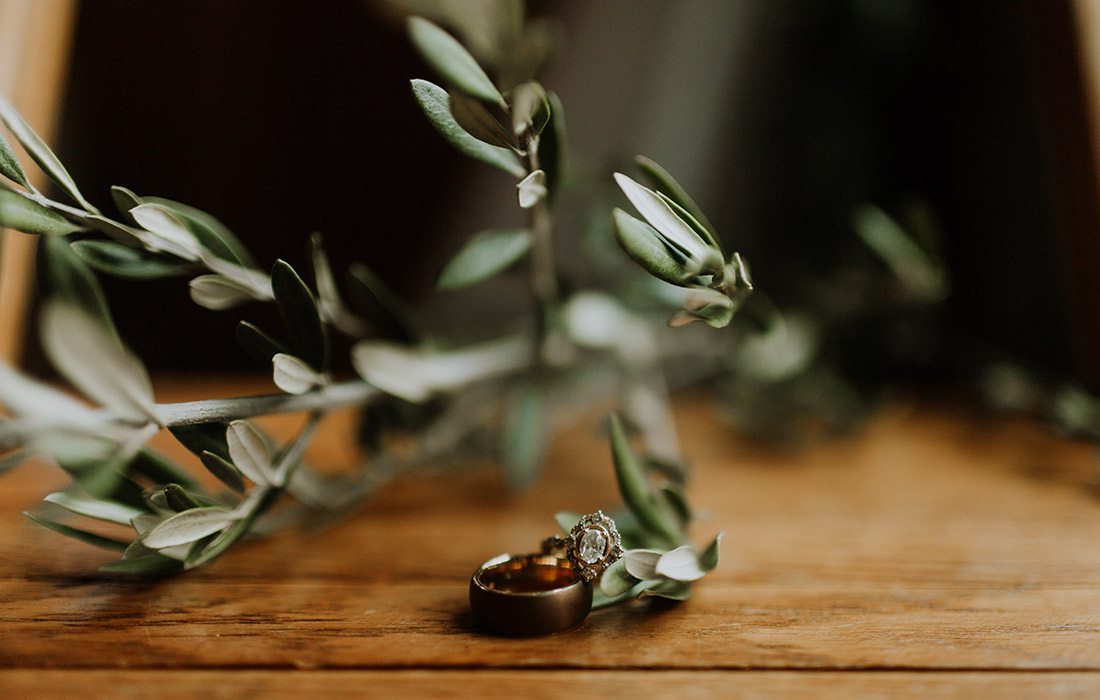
[[536, 684], [935, 541]]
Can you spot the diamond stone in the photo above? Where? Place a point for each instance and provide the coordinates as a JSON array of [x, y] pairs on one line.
[[593, 546]]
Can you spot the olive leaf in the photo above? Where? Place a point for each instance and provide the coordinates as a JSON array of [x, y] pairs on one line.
[[224, 470], [525, 437], [169, 234], [217, 293], [680, 564], [708, 560], [91, 357], [472, 116], [374, 299], [69, 279], [663, 182], [125, 200], [258, 344], [300, 315], [435, 104], [22, 214], [77, 534], [9, 164], [644, 245], [188, 526], [178, 499], [40, 153], [484, 255], [701, 255], [668, 589], [532, 189], [150, 566], [94, 508], [203, 437], [616, 579], [293, 375], [451, 60], [551, 146], [641, 563], [211, 233], [530, 109], [249, 451], [123, 261], [635, 488]]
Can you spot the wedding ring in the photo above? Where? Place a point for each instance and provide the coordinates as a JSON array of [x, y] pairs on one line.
[[529, 595], [591, 546], [542, 593]]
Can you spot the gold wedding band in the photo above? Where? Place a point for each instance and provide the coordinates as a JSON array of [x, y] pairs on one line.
[[529, 594]]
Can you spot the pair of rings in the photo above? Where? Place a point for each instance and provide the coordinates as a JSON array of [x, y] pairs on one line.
[[544, 592]]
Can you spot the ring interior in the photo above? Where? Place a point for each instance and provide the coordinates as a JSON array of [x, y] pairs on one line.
[[534, 573]]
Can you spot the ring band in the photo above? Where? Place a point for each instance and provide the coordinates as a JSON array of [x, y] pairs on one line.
[[529, 594]]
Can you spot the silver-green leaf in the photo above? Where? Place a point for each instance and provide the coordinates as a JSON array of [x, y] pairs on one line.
[[40, 153], [188, 526], [486, 254], [19, 213], [9, 164], [435, 104], [644, 245], [451, 60]]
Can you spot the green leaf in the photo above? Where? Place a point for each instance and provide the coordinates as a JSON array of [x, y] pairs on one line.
[[217, 293], [19, 213], [178, 499], [709, 558], [525, 436], [483, 256], [231, 534], [644, 245], [692, 221], [125, 201], [530, 109], [93, 507], [158, 469], [188, 526], [205, 437], [258, 344], [435, 104], [9, 164], [472, 116], [166, 232], [390, 316], [155, 565], [451, 60], [670, 590], [294, 376], [82, 535], [675, 232], [677, 502], [211, 233], [635, 488], [551, 148], [123, 261], [616, 580], [93, 359], [70, 280], [642, 563], [249, 451], [662, 181], [40, 153], [680, 564], [224, 470], [13, 459], [300, 315]]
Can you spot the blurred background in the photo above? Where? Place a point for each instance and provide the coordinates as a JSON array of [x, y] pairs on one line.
[[970, 124]]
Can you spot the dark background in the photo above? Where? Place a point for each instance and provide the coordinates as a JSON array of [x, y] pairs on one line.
[[283, 118]]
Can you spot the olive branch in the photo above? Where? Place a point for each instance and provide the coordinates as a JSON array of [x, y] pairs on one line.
[[452, 401]]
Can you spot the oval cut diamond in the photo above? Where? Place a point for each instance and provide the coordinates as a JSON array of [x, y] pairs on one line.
[[593, 546]]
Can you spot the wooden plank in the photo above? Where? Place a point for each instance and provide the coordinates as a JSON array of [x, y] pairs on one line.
[[933, 540], [541, 683]]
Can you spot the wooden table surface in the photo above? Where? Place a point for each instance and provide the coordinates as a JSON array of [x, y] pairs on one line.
[[936, 552]]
